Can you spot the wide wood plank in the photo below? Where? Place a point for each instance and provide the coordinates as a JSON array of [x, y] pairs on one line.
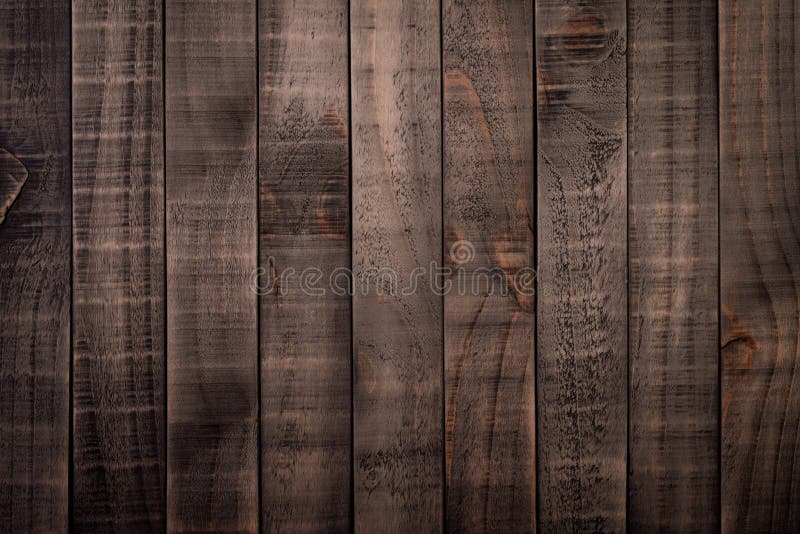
[[760, 264], [582, 308], [118, 331], [673, 322], [489, 309], [34, 265], [304, 227], [212, 328], [397, 333]]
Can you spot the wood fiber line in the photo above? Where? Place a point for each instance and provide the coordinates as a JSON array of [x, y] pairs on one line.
[[760, 264], [304, 227], [397, 337], [582, 308], [118, 330], [34, 265], [673, 322], [212, 327], [489, 241]]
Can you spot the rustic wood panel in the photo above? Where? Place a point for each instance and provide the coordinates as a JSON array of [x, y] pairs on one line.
[[397, 336], [582, 359], [760, 264], [212, 328], [304, 227], [489, 310], [673, 259], [118, 294], [34, 265]]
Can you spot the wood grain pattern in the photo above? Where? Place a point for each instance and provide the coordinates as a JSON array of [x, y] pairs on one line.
[[673, 260], [760, 264], [304, 227], [34, 265], [582, 354], [397, 332], [488, 216], [212, 328], [118, 295]]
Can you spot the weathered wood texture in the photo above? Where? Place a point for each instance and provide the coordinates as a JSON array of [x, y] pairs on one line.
[[212, 328], [34, 265], [760, 269], [304, 226], [397, 332], [489, 309], [582, 360], [118, 295], [673, 259]]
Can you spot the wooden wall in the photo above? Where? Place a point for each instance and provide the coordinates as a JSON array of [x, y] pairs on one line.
[[399, 266]]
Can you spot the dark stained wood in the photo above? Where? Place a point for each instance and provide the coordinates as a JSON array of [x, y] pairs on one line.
[[118, 294], [397, 336], [304, 195], [212, 329], [673, 250], [582, 351], [488, 218], [760, 264], [34, 265]]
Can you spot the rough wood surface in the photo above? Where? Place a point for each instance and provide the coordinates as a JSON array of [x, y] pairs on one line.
[[118, 294], [760, 270], [489, 241], [582, 355], [673, 250], [34, 265], [397, 332], [212, 329], [304, 227]]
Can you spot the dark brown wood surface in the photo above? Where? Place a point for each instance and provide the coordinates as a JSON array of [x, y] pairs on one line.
[[34, 265], [397, 336], [489, 241], [673, 467], [118, 292], [760, 264], [582, 338], [212, 329], [304, 227]]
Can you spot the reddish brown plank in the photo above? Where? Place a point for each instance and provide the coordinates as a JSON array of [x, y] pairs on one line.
[[34, 265], [118, 295], [582, 305], [488, 216], [397, 336], [211, 230], [760, 264], [673, 321], [304, 227]]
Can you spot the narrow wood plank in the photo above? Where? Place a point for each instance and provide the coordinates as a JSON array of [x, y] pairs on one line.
[[212, 328], [397, 336], [489, 310], [673, 323], [34, 265], [304, 227], [582, 308], [118, 295], [760, 264]]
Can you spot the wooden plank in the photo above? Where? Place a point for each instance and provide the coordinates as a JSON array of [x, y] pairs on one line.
[[673, 319], [212, 328], [488, 218], [760, 264], [34, 265], [582, 308], [304, 227], [118, 294], [397, 337]]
